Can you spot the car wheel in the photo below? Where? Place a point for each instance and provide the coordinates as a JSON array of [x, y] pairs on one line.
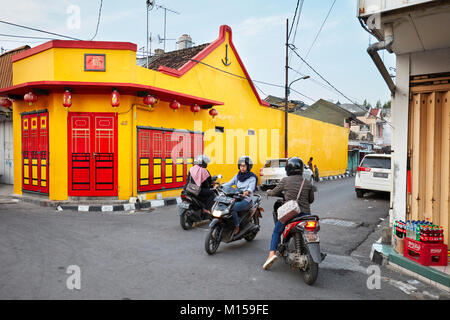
[[359, 193]]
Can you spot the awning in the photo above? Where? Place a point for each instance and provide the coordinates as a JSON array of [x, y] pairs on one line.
[[46, 87]]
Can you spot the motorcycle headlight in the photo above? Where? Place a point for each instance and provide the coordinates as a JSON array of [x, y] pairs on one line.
[[219, 213]]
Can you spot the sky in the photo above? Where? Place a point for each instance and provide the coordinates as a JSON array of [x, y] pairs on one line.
[[259, 35]]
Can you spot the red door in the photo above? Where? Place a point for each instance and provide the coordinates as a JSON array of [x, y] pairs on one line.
[[92, 155], [35, 152]]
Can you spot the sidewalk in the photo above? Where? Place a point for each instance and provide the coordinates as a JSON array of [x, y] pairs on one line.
[[383, 253]]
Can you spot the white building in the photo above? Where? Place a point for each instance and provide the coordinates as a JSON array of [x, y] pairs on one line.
[[418, 33]]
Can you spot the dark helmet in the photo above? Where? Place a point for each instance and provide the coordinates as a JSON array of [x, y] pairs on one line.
[[294, 166], [202, 160], [247, 160]]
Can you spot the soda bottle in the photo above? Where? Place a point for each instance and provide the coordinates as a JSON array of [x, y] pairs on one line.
[[417, 232], [441, 234], [427, 234], [435, 233]]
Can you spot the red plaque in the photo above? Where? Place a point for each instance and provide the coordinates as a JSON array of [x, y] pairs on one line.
[[94, 62]]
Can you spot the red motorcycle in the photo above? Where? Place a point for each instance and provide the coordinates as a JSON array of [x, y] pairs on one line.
[[300, 246]]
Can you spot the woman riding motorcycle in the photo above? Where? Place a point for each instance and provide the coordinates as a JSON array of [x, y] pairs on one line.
[[202, 178], [245, 181], [291, 186]]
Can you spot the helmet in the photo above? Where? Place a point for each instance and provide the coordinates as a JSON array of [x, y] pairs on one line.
[[247, 160], [202, 160], [294, 166]]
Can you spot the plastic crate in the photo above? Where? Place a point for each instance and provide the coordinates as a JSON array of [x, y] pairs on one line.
[[427, 254]]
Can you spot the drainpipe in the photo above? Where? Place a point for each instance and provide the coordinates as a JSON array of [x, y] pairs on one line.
[[373, 52]]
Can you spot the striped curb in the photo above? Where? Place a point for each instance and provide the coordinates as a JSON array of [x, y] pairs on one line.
[[339, 176], [121, 207]]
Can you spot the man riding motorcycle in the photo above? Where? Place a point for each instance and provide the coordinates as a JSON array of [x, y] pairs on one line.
[[291, 186]]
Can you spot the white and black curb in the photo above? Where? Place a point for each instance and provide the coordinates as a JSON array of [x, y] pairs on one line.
[[339, 176], [140, 205]]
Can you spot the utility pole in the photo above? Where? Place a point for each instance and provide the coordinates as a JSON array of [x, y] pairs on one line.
[[286, 93]]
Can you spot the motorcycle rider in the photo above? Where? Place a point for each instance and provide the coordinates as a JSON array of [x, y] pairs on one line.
[[202, 178], [291, 186], [245, 181]]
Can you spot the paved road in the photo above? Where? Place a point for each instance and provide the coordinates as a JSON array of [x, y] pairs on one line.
[[146, 255]]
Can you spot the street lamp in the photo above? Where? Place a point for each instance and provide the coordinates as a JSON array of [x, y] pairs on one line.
[[286, 111]]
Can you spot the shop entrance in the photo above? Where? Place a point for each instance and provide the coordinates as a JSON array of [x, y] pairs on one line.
[[35, 151], [92, 154]]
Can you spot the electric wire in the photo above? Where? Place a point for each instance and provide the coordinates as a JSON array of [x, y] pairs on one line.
[[98, 19], [38, 30], [318, 33], [245, 78], [293, 48]]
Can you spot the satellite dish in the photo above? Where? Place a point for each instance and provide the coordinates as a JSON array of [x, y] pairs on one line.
[[151, 4]]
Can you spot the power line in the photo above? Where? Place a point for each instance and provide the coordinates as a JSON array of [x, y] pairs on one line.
[[38, 30], [337, 90], [293, 20], [318, 33], [98, 19], [245, 78], [26, 37]]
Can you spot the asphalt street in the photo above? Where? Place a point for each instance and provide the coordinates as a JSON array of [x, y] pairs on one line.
[[146, 255]]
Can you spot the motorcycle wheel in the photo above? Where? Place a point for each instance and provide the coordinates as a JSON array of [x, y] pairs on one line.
[[311, 272], [213, 239], [185, 222], [252, 236]]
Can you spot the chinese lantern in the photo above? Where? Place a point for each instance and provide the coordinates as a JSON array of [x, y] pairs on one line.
[[213, 113], [175, 105], [115, 98], [67, 99], [30, 97], [195, 108], [5, 102], [149, 100]]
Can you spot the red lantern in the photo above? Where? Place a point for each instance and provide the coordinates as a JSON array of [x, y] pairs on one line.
[[115, 98], [175, 105], [195, 108], [5, 102], [30, 97], [149, 100], [67, 99], [213, 112]]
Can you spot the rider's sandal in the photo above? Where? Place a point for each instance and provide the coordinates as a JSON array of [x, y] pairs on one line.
[[269, 262]]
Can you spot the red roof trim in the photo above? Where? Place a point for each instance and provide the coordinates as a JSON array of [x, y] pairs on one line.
[[205, 52], [103, 87], [101, 45]]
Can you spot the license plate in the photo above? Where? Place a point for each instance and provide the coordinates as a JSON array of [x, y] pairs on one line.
[[184, 205], [311, 237], [380, 175]]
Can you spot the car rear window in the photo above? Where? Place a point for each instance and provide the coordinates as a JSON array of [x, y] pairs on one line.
[[275, 164], [374, 162]]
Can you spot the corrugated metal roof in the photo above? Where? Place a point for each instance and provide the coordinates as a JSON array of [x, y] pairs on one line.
[[6, 76]]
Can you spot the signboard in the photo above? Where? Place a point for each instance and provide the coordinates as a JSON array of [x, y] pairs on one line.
[[94, 62]]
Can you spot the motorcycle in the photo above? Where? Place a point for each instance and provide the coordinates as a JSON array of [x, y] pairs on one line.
[[192, 209], [300, 245], [222, 227]]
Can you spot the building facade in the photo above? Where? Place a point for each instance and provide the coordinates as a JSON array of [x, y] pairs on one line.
[[85, 123]]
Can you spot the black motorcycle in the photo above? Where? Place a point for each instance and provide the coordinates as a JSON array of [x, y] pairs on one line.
[[192, 209], [222, 227], [300, 244]]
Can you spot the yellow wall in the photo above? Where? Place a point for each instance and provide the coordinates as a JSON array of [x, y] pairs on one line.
[[241, 111]]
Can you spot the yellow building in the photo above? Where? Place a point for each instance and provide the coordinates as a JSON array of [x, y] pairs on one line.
[[91, 148]]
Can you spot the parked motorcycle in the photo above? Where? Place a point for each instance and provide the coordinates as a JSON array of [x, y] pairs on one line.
[[300, 245], [222, 227], [192, 209]]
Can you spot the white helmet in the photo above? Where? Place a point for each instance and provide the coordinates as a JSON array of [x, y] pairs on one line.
[[202, 160]]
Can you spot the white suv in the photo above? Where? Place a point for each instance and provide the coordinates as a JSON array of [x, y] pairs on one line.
[[373, 174], [274, 170]]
